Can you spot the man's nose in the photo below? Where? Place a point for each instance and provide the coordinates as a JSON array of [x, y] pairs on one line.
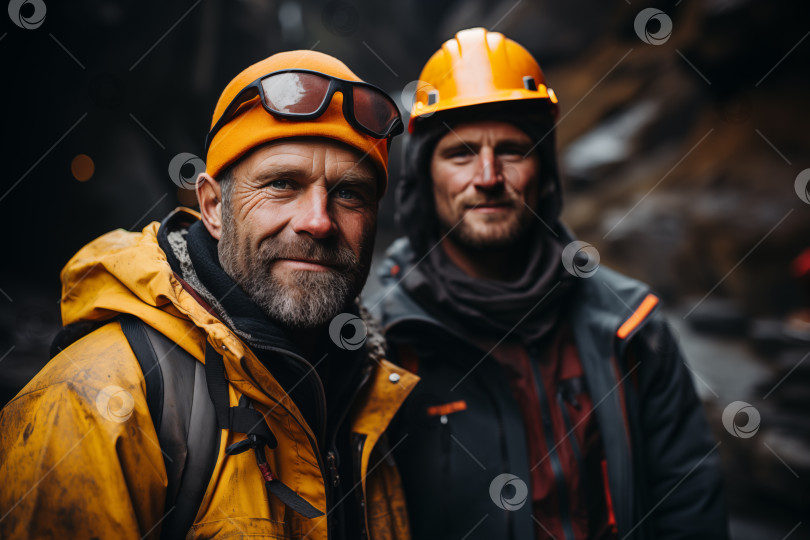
[[488, 174], [312, 215]]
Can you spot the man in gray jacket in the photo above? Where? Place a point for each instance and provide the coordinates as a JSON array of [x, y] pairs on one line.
[[554, 402]]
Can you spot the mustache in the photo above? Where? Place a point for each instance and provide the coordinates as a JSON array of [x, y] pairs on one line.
[[328, 253], [486, 201]]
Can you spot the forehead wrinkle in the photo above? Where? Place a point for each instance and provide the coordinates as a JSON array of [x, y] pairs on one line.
[[359, 171], [277, 169], [356, 174], [272, 157]]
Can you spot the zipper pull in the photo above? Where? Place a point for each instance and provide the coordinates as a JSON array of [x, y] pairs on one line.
[[239, 447], [331, 462]]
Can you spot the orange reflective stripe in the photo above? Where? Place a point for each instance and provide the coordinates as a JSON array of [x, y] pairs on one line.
[[640, 314], [608, 499], [447, 408]]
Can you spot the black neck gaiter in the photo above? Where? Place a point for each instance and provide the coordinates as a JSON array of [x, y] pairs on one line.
[[526, 308]]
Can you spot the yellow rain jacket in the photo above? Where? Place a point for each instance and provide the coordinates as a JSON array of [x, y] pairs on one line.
[[69, 468]]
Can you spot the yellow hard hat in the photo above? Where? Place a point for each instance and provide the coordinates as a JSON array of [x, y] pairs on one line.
[[477, 67]]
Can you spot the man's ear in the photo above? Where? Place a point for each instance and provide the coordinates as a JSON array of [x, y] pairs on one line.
[[209, 195]]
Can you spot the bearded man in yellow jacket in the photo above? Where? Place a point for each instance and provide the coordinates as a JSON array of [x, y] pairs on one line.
[[215, 377]]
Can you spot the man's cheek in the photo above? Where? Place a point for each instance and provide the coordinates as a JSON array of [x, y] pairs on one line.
[[358, 231]]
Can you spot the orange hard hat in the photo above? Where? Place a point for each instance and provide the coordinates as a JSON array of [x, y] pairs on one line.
[[477, 67]]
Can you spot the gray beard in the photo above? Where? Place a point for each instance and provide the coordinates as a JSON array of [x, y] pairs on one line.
[[313, 298]]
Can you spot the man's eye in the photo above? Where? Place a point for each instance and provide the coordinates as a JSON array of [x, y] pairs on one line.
[[460, 154], [279, 184], [347, 194], [512, 152]]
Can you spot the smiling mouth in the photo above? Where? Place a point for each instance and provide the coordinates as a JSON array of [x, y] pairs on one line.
[[489, 207]]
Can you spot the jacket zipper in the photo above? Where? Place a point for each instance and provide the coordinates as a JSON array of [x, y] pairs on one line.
[[505, 463], [364, 379], [332, 455], [556, 465], [358, 444], [314, 443]]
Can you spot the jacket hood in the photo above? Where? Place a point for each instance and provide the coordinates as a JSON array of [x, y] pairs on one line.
[[125, 272]]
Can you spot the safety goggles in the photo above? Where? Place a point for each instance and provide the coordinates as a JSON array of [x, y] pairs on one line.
[[300, 94]]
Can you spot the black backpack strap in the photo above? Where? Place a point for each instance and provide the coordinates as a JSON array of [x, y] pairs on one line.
[[135, 331], [245, 419], [184, 418]]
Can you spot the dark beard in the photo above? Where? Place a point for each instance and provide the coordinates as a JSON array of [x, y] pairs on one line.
[[314, 298], [466, 237]]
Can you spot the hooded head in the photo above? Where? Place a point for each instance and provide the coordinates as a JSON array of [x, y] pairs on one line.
[[477, 76]]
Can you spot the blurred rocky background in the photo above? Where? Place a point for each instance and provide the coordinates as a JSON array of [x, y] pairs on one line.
[[682, 135]]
